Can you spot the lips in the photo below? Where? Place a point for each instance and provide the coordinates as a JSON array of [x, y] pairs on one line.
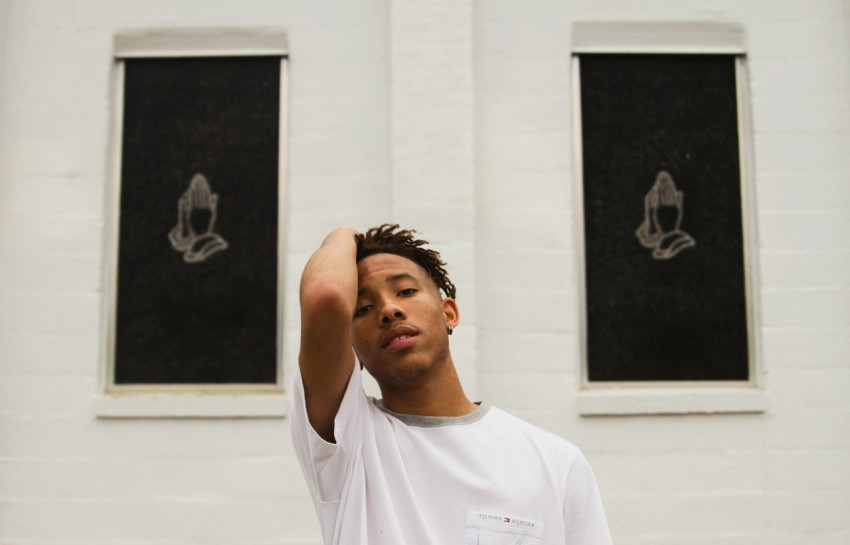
[[399, 337]]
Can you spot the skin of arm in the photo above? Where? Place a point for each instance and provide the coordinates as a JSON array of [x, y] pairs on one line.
[[328, 295]]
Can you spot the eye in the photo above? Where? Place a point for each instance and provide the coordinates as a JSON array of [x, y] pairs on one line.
[[360, 311], [408, 291]]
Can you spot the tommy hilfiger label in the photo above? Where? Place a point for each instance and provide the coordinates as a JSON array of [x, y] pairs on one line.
[[484, 528]]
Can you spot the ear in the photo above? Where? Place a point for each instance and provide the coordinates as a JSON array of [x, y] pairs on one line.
[[451, 314]]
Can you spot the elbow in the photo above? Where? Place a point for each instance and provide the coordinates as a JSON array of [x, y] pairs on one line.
[[326, 299]]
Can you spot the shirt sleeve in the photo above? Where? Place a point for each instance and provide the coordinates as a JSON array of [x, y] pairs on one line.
[[584, 516], [327, 465]]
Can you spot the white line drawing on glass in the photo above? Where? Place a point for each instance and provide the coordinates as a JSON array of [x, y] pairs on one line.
[[662, 221], [196, 214]]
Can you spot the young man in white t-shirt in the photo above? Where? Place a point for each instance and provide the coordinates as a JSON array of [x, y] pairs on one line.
[[424, 465]]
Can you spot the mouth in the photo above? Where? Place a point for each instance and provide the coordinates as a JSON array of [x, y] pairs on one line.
[[399, 338]]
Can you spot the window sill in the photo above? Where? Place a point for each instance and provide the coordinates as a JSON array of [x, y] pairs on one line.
[[635, 400], [190, 405]]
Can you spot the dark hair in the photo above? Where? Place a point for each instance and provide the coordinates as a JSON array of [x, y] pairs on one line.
[[389, 239]]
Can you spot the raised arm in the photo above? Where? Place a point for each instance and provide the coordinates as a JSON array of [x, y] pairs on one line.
[[328, 296]]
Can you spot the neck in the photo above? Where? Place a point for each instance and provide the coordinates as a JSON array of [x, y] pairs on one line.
[[433, 396]]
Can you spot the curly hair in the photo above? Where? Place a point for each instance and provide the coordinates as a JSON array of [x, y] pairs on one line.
[[389, 239]]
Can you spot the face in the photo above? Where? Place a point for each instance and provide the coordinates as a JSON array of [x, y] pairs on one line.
[[400, 321]]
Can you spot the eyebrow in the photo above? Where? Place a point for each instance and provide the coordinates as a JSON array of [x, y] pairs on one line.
[[390, 279]]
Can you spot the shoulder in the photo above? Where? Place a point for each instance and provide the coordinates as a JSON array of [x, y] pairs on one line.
[[517, 430]]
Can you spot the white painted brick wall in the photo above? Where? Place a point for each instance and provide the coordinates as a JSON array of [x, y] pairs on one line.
[[455, 118]]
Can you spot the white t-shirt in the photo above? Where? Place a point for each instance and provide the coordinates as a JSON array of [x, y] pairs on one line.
[[483, 478]]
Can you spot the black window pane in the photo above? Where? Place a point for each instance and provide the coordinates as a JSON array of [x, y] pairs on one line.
[[664, 252], [198, 233]]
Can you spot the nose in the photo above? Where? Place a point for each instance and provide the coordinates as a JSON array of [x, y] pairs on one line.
[[391, 311]]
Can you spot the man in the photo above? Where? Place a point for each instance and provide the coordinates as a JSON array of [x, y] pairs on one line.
[[423, 465]]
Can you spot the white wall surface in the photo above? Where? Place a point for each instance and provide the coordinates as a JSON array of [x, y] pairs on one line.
[[453, 117]]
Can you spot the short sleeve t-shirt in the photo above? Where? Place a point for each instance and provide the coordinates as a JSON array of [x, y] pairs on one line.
[[486, 477]]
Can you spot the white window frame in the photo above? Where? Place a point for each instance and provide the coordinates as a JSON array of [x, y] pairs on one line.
[[186, 400], [673, 397]]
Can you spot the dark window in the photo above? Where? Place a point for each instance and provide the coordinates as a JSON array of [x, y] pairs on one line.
[[664, 245], [198, 224]]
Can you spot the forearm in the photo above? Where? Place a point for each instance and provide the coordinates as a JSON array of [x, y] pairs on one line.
[[328, 295]]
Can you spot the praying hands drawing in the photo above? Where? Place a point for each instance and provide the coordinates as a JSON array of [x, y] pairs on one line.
[[661, 227], [196, 214]]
